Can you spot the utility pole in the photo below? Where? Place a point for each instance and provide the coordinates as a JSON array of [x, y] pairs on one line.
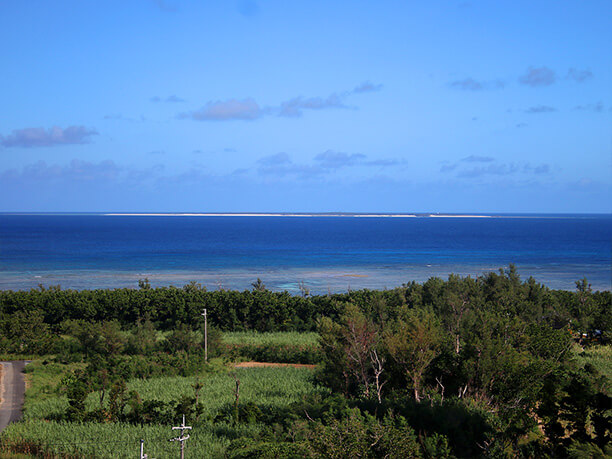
[[142, 454], [205, 336], [182, 438]]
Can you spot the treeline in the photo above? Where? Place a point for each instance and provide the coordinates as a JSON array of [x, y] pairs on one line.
[[262, 310], [463, 367], [460, 368], [498, 379]]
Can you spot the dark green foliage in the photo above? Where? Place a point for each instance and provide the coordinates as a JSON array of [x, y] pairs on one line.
[[333, 429], [77, 388], [143, 339], [25, 332], [248, 413], [490, 351], [181, 338], [459, 368], [247, 449], [264, 310], [273, 353]]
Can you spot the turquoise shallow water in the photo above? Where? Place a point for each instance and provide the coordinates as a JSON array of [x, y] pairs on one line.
[[325, 253]]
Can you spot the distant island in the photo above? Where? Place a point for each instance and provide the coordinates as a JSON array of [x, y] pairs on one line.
[[331, 214], [295, 214]]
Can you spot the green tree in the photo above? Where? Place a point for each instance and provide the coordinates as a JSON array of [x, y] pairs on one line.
[[413, 341], [586, 309], [27, 332], [258, 285]]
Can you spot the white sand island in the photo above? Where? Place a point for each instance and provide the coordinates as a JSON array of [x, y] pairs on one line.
[[279, 214]]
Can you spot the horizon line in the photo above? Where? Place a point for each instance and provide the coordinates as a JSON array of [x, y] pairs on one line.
[[320, 214]]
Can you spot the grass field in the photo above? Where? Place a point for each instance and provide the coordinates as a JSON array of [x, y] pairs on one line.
[[265, 386], [600, 357], [117, 440], [280, 347], [271, 338]]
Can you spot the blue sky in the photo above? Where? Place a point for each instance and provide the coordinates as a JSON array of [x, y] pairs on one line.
[[261, 105]]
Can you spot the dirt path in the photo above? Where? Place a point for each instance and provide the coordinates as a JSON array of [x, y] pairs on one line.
[[270, 364], [12, 392]]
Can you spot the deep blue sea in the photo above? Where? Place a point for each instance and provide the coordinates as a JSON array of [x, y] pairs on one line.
[[324, 253]]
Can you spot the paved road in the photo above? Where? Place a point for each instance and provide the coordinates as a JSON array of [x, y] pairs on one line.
[[13, 389]]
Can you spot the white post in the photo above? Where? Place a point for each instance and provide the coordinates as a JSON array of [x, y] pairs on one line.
[[142, 454]]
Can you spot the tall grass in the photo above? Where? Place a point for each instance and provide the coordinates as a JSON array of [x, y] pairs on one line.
[[117, 440], [38, 436], [282, 347], [600, 357], [271, 338], [265, 386], [272, 387], [43, 394]]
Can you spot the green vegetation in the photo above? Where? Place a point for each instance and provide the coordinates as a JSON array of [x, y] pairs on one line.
[[253, 338], [114, 440], [600, 357], [282, 347], [486, 367], [42, 432]]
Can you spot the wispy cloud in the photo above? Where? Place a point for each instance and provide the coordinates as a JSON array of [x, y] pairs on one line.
[[200, 151], [540, 109], [579, 76], [120, 117], [336, 160], [467, 84], [77, 170], [491, 169], [448, 167], [470, 84], [82, 174], [232, 109], [328, 162], [274, 160], [383, 162], [475, 166], [597, 108], [504, 170], [538, 77], [296, 106], [477, 159], [540, 169], [249, 109], [173, 99], [366, 86], [40, 137], [280, 165]]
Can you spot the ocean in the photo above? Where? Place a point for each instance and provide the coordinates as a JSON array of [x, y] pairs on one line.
[[320, 253]]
